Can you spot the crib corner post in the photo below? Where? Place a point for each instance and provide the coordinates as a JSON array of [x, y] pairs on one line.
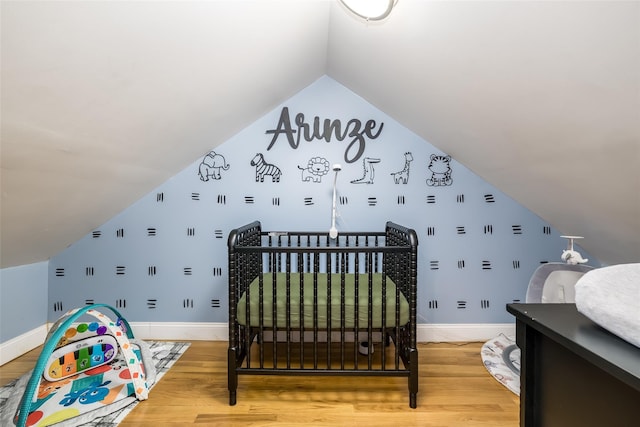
[[413, 378], [413, 398], [232, 375]]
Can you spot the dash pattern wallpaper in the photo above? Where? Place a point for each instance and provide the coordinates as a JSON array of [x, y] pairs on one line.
[[164, 259]]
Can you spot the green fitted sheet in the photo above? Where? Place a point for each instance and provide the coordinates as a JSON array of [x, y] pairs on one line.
[[322, 317]]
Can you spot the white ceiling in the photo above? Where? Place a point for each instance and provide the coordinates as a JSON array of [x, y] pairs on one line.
[[103, 101]]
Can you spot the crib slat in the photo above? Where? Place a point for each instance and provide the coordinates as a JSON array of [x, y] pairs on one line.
[[301, 308], [274, 310], [356, 301], [383, 309], [247, 329], [332, 259], [369, 262], [342, 308], [288, 311]]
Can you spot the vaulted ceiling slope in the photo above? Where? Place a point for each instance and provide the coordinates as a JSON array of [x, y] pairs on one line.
[[104, 101]]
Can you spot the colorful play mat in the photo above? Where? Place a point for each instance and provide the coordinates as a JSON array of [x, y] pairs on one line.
[[501, 357], [85, 370]]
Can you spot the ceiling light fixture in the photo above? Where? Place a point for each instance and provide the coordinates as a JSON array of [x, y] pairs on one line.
[[370, 10]]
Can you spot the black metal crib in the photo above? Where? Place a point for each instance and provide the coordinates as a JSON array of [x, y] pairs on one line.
[[316, 299]]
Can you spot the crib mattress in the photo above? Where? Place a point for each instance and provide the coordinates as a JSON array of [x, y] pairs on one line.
[[305, 282]]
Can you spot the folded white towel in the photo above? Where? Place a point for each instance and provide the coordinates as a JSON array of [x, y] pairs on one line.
[[610, 296]]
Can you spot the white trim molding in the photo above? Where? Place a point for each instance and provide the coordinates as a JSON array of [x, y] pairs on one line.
[[181, 331], [451, 332], [457, 332], [22, 344], [190, 331]]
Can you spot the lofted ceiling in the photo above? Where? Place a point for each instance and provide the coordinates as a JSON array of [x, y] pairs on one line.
[[102, 101]]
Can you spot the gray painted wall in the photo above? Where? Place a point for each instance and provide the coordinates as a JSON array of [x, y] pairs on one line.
[[165, 257], [23, 299]]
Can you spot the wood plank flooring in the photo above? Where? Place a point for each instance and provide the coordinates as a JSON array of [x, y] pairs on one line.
[[455, 390]]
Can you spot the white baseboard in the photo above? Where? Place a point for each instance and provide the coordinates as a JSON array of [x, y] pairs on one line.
[[469, 332], [22, 344], [451, 332], [185, 331], [205, 331]]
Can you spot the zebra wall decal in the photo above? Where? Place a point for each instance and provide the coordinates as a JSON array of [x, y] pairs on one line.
[[263, 169]]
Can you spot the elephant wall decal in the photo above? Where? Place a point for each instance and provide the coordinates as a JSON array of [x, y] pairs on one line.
[[211, 165]]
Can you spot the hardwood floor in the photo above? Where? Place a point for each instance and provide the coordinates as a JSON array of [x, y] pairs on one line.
[[455, 390]]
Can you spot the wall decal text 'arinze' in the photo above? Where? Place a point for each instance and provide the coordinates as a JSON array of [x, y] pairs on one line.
[[353, 129]]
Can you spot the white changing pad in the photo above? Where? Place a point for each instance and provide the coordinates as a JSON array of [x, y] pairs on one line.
[[610, 296]]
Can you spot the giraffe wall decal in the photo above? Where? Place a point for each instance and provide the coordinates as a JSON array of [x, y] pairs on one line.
[[403, 175]]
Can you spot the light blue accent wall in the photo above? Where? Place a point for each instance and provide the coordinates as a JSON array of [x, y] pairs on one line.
[[165, 257], [23, 299]]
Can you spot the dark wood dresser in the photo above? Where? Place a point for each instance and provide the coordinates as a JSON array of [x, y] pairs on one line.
[[574, 372]]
